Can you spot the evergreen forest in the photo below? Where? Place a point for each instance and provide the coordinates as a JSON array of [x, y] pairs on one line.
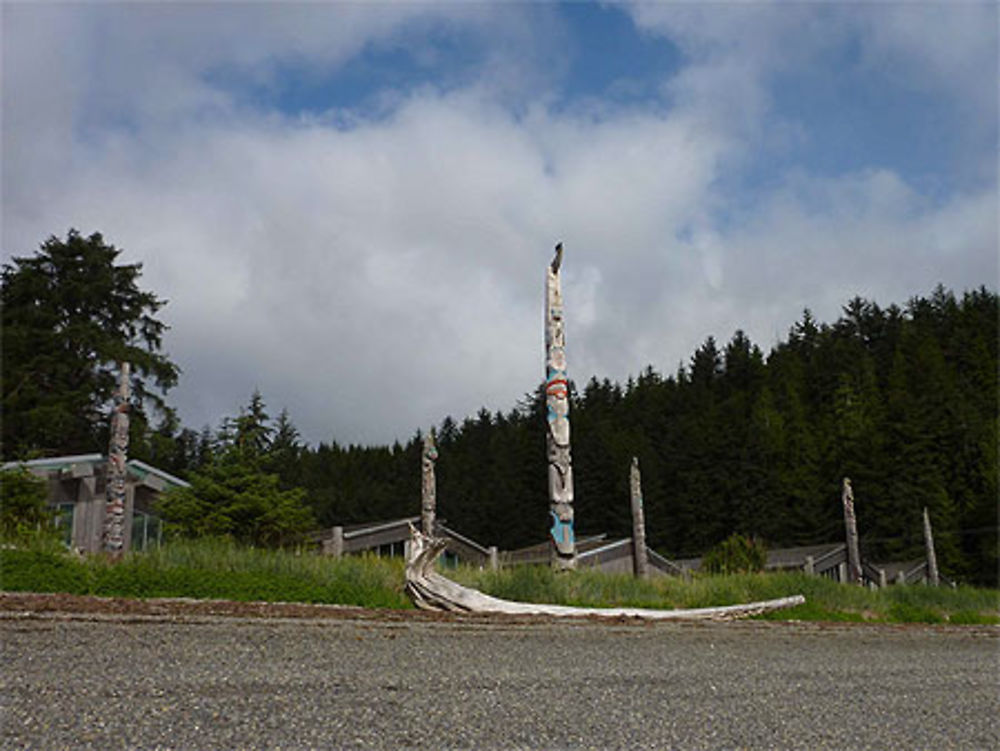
[[903, 400]]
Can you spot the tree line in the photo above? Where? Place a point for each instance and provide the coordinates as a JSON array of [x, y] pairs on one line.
[[902, 399]]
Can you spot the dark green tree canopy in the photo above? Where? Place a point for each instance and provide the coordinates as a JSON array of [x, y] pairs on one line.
[[70, 315], [901, 399], [239, 490]]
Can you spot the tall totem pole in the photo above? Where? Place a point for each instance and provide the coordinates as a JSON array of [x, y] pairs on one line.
[[851, 528], [428, 485], [557, 408], [933, 577], [114, 508], [640, 558]]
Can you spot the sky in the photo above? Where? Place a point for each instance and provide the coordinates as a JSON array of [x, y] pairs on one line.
[[350, 206]]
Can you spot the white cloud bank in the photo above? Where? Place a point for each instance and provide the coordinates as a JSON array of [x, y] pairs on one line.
[[376, 276]]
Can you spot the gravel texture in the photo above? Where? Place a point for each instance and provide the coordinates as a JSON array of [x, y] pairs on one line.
[[114, 676]]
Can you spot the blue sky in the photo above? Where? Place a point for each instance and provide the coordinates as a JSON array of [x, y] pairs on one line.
[[350, 205]]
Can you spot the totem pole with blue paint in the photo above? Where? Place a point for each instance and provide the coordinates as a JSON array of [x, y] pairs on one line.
[[557, 410]]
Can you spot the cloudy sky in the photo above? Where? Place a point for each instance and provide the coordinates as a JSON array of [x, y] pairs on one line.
[[350, 206]]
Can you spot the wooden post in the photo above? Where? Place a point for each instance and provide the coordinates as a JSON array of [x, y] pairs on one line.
[[851, 525], [882, 580], [428, 485], [113, 538], [494, 558], [563, 548], [810, 565], [640, 560], [337, 548], [933, 578]]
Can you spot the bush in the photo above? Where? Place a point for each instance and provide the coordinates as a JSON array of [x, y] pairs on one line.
[[43, 571], [24, 511], [236, 499], [737, 554]]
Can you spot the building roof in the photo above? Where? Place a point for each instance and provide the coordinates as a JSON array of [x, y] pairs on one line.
[[84, 465], [781, 558]]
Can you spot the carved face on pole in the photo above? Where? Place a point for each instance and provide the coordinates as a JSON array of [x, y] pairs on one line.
[[557, 415], [428, 493], [114, 513]]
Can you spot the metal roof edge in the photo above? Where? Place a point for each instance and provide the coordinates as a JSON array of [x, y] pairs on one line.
[[158, 472]]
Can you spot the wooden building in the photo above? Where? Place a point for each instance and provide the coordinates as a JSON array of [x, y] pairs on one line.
[[830, 560], [77, 493], [595, 551], [390, 538]]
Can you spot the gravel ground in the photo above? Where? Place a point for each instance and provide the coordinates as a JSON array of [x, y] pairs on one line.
[[153, 676]]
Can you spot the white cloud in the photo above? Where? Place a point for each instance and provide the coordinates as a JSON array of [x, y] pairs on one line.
[[376, 274]]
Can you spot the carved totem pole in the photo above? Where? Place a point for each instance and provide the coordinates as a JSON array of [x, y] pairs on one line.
[[428, 487], [114, 508], [557, 409], [851, 526], [933, 577], [640, 558]]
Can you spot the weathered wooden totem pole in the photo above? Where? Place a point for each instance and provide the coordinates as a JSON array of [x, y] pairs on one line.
[[114, 509], [851, 526], [640, 560], [557, 408], [933, 577], [428, 486]]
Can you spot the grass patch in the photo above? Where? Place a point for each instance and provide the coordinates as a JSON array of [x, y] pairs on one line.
[[222, 570], [211, 570], [826, 600]]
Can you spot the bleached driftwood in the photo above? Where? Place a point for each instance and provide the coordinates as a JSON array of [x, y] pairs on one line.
[[430, 590]]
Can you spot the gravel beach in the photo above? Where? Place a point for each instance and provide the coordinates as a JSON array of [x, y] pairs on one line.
[[106, 678]]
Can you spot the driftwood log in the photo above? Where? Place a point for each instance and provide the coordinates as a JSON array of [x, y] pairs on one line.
[[429, 590]]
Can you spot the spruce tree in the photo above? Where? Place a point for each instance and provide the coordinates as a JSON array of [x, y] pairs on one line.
[[71, 314]]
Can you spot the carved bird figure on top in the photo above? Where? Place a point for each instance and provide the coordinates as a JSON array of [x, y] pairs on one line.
[[557, 261]]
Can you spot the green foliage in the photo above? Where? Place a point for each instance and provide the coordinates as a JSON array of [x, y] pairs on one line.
[[737, 554], [235, 498], [24, 512], [238, 491], [221, 569], [43, 570], [70, 314], [826, 600], [901, 400]]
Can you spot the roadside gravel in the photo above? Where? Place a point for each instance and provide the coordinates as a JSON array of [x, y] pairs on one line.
[[104, 677]]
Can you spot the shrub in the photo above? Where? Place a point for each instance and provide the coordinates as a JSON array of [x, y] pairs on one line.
[[33, 570], [24, 513], [737, 554]]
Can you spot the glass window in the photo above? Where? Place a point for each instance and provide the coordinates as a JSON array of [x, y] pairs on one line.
[[147, 530], [64, 522]]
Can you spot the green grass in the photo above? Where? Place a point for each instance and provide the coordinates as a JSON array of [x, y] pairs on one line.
[[210, 569], [826, 600], [219, 569]]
